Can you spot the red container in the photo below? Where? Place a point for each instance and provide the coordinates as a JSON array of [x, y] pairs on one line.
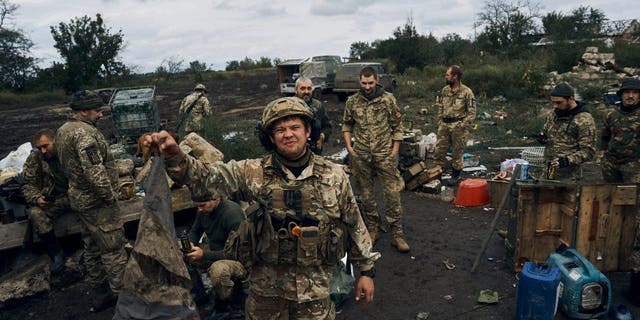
[[472, 193]]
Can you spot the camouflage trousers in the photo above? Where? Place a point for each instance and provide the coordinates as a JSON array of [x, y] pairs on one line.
[[104, 253], [625, 172], [275, 308], [225, 274], [454, 136], [43, 219], [365, 167]]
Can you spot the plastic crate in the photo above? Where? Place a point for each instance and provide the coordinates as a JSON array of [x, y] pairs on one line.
[[134, 112]]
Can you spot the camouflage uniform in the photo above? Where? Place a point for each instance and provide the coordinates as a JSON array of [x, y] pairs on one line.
[[456, 112], [194, 121], [322, 125], [573, 135], [621, 162], [44, 177], [375, 125], [292, 277], [90, 168]]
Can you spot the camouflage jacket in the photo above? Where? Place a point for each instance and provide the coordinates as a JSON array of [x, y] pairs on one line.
[[201, 109], [322, 120], [460, 104], [84, 155], [42, 177], [572, 135], [375, 123], [331, 201], [621, 135]]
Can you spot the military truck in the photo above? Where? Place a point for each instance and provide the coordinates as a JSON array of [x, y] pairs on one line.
[[347, 79], [320, 69]]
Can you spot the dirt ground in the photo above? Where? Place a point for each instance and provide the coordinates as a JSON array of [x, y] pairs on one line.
[[406, 284]]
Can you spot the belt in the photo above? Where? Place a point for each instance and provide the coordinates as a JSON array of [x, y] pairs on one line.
[[451, 119]]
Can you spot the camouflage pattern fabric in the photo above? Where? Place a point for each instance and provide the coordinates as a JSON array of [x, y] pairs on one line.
[[322, 123], [224, 274], [44, 177], [375, 125], [572, 136], [621, 141], [274, 308], [156, 280], [332, 201], [194, 121], [87, 163], [456, 112]]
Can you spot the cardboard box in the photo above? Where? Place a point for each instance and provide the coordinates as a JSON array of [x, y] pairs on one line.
[[597, 220], [414, 170], [423, 177]]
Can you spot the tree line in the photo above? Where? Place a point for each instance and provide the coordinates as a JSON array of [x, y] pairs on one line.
[[504, 31]]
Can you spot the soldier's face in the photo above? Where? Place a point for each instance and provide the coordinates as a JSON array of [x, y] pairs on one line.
[[368, 84], [449, 77], [304, 90], [560, 103], [46, 146], [630, 97], [290, 137], [206, 207], [93, 115]]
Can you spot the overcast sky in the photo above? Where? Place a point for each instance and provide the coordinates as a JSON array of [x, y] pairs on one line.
[[217, 31]]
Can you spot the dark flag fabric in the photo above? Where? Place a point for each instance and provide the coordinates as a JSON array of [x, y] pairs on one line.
[[156, 281]]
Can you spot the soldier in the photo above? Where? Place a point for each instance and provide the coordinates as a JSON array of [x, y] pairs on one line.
[[85, 159], [621, 162], [373, 118], [569, 134], [456, 112], [194, 109], [45, 190], [321, 129], [305, 212], [216, 217]]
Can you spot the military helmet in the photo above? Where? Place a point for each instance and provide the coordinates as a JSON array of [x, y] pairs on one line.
[[284, 107], [86, 100], [200, 86], [629, 84]]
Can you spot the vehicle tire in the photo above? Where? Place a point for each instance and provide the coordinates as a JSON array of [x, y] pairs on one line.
[[317, 94]]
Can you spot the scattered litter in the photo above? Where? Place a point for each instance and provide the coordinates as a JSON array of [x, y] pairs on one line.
[[448, 265], [488, 296], [488, 209], [490, 259], [423, 315], [448, 297], [413, 258], [474, 169]]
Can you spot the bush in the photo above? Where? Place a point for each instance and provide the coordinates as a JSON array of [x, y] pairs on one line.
[[627, 54], [243, 145], [12, 98]]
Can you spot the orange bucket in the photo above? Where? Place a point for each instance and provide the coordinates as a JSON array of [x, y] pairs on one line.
[[472, 193]]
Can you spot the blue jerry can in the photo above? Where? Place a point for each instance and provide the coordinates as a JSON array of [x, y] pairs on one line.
[[585, 292], [537, 295]]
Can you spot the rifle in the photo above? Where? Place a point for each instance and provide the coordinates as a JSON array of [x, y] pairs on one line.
[[187, 111]]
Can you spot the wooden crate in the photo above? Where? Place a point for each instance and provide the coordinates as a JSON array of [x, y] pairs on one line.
[[597, 220], [497, 188]]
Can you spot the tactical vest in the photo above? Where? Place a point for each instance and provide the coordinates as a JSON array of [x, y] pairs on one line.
[[294, 225]]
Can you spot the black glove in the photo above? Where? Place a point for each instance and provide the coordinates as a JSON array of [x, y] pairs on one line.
[[563, 162]]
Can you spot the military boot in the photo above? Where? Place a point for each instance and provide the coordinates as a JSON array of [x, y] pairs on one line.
[[400, 244], [102, 298], [53, 251], [455, 177]]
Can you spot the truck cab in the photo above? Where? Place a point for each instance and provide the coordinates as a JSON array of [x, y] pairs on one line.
[[347, 79]]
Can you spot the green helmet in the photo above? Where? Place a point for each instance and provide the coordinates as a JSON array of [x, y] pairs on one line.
[[284, 107]]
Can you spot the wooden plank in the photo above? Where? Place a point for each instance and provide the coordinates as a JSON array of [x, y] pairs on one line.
[[627, 235], [582, 244], [625, 195], [12, 234], [497, 188], [525, 237], [612, 237]]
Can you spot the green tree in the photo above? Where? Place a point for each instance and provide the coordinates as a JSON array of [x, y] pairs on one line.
[[408, 48], [247, 64], [583, 23], [361, 50], [454, 49], [232, 65], [507, 26], [17, 65], [90, 51], [264, 62]]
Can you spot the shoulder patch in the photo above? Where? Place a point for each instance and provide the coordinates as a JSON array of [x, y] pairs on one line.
[[93, 154]]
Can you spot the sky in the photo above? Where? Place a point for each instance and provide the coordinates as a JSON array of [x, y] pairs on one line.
[[218, 31]]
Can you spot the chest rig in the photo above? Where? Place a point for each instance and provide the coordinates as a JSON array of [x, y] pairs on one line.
[[305, 234]]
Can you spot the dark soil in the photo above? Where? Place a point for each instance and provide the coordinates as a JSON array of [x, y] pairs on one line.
[[406, 284]]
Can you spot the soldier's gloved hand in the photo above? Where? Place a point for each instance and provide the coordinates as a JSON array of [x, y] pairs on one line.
[[540, 137], [563, 162]]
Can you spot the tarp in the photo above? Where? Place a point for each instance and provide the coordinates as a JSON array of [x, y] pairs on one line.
[[156, 281], [313, 70]]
